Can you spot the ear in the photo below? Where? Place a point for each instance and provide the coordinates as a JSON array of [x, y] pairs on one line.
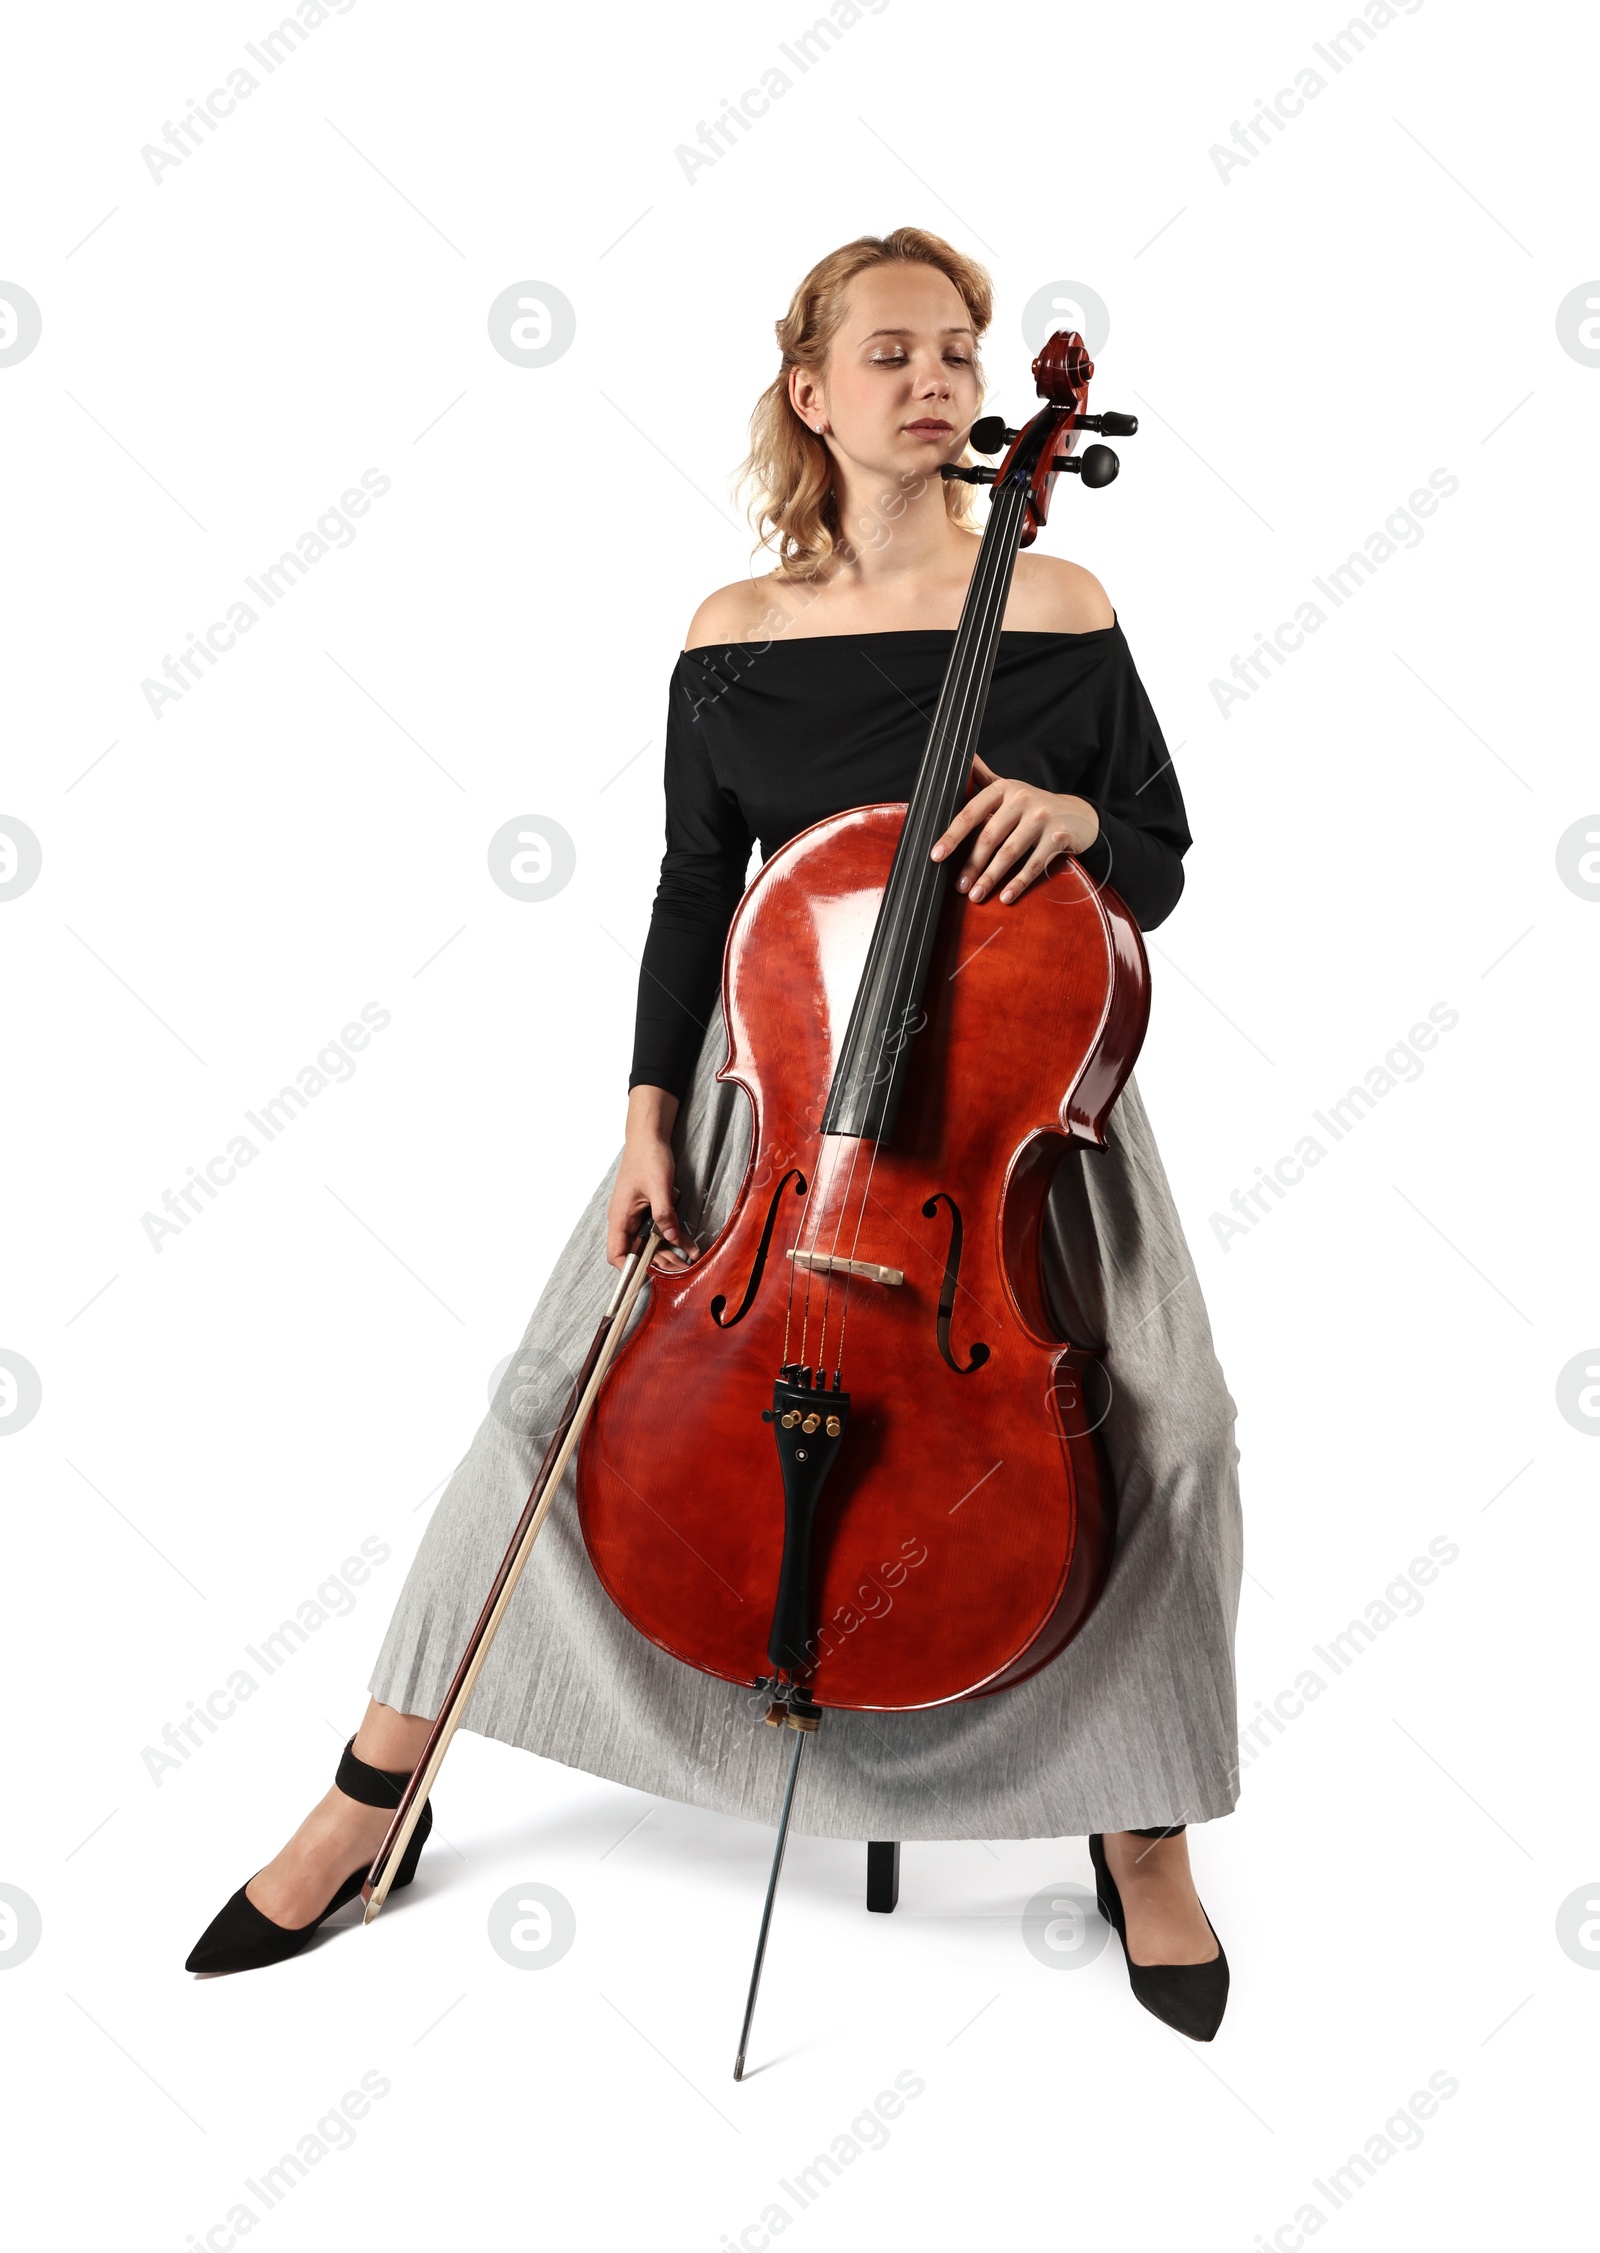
[[805, 396]]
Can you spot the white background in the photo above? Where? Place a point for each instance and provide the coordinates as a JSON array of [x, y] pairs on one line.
[[1371, 298]]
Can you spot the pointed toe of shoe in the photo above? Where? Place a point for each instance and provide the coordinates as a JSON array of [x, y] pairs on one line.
[[237, 1937], [1190, 1998], [240, 1938]]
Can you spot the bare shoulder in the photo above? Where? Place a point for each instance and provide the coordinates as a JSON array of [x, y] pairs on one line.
[[1051, 596], [749, 610]]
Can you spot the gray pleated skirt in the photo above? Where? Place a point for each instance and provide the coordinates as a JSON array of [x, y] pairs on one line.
[[1133, 1725]]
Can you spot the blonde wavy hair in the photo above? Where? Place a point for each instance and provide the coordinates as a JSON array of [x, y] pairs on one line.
[[788, 471]]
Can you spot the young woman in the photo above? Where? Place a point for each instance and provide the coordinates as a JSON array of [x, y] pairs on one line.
[[797, 695]]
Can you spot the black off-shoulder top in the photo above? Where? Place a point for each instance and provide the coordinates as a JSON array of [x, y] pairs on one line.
[[764, 740]]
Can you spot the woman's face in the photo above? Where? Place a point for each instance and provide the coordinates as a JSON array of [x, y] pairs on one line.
[[900, 389]]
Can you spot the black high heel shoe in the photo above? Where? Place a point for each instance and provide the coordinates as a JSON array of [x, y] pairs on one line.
[[240, 1938], [1189, 1997]]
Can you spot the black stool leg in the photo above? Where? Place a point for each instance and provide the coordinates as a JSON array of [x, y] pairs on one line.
[[883, 1874]]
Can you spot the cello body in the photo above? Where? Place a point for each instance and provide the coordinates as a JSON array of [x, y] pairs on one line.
[[966, 1525]]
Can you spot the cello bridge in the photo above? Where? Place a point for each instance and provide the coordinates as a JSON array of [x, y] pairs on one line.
[[833, 1263]]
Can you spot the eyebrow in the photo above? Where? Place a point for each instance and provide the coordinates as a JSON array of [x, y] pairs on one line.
[[956, 328]]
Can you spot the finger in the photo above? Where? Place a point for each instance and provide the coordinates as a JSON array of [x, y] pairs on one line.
[[1003, 857], [1029, 873], [619, 1232], [629, 1225], [1003, 825], [1007, 804], [671, 1227], [974, 811]]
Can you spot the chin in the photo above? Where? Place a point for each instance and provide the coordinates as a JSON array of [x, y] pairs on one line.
[[926, 454]]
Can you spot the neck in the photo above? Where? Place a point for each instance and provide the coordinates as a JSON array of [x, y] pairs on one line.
[[897, 533]]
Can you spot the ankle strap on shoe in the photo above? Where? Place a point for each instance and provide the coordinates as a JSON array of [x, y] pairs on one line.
[[373, 1787], [1161, 1830]]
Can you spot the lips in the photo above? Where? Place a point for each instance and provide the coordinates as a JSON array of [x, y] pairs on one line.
[[930, 429]]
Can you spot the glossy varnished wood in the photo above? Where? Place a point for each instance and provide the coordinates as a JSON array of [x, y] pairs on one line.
[[967, 1523], [1062, 374]]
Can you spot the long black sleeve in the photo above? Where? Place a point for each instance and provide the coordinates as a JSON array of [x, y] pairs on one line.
[[1144, 868], [1144, 832], [702, 882]]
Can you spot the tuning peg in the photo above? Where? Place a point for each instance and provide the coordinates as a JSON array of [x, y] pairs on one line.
[[1098, 465], [1112, 426], [979, 474], [989, 435]]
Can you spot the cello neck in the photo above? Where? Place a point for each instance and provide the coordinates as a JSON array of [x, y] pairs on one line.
[[865, 1093]]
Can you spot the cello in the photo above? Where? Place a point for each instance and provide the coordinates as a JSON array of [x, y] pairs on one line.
[[939, 1519]]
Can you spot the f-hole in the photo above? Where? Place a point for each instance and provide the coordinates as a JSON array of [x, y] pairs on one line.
[[720, 1301], [947, 1289]]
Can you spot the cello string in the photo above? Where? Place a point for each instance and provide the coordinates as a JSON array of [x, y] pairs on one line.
[[988, 596], [985, 598], [969, 675], [955, 702]]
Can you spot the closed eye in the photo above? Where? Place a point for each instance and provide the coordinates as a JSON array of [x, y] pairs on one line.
[[898, 359]]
